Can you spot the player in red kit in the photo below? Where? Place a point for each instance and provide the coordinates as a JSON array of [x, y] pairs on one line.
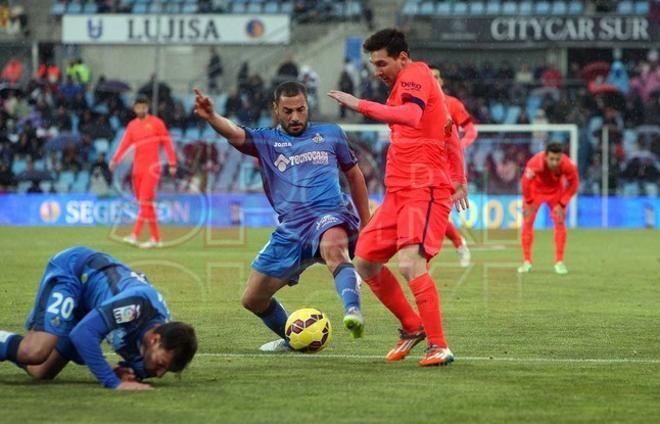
[[462, 120], [424, 174], [146, 133], [550, 177]]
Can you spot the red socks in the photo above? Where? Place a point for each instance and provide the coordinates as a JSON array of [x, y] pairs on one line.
[[387, 289], [428, 303], [560, 241], [453, 235]]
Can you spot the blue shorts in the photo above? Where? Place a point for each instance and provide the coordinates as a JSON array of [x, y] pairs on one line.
[[294, 245], [56, 307]]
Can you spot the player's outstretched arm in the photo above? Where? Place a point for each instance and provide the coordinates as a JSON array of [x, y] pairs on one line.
[[406, 114], [359, 193], [223, 126], [87, 337]]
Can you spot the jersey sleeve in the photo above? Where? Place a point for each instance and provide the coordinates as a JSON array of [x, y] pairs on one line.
[[458, 113], [87, 337], [126, 142], [345, 157], [529, 175], [256, 142], [166, 140], [414, 86], [120, 311]]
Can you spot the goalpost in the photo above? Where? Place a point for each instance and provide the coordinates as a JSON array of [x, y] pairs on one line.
[[492, 141]]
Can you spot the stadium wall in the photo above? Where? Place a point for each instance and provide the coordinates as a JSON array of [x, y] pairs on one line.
[[253, 210]]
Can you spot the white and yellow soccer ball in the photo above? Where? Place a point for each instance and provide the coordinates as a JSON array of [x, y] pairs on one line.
[[308, 330]]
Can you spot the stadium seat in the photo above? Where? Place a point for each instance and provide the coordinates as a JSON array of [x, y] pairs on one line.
[[493, 8], [46, 186], [443, 9], [23, 186], [286, 7], [156, 8], [353, 9], [509, 8], [101, 145], [18, 166], [238, 7], [497, 112], [512, 114], [114, 122], [625, 7], [189, 8], [140, 8], [525, 8], [460, 8], [39, 165], [477, 8], [642, 7], [58, 9], [74, 8], [66, 177], [254, 8], [428, 8], [542, 8], [90, 8], [172, 8], [61, 187], [575, 8], [559, 8], [271, 7]]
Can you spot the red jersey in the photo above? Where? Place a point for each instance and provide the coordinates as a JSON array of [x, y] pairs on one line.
[[147, 135], [538, 179], [457, 111], [417, 156]]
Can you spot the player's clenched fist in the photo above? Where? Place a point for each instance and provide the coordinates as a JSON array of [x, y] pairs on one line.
[[203, 105]]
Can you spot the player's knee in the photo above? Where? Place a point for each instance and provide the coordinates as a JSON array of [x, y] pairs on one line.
[[367, 270], [407, 269], [335, 256], [33, 355], [253, 305]]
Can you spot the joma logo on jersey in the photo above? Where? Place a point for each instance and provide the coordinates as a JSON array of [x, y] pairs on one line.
[[126, 313], [315, 157], [285, 144], [326, 220], [411, 85]]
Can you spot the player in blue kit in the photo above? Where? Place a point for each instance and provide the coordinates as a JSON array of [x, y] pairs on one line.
[[300, 163], [86, 296]]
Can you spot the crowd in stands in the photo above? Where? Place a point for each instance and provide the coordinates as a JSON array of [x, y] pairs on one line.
[[58, 127]]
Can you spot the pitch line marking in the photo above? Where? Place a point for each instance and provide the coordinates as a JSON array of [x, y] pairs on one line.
[[458, 358]]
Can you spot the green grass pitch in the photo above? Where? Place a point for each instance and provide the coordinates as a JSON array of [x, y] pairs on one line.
[[538, 348]]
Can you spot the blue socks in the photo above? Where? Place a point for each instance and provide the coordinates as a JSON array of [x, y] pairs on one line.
[[346, 283], [275, 317], [9, 343]]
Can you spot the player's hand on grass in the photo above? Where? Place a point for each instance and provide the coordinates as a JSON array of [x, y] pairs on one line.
[[124, 373], [460, 197], [133, 385], [345, 99], [203, 105]]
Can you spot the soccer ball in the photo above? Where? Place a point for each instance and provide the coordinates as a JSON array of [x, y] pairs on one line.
[[308, 330]]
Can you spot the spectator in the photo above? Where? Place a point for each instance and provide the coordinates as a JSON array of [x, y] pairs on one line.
[[618, 77], [346, 85], [551, 77], [310, 79], [214, 71], [13, 71], [70, 161], [288, 70], [524, 75]]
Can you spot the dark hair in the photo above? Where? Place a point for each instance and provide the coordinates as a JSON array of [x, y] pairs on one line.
[[141, 98], [180, 339], [436, 67], [391, 39], [554, 148], [289, 89]]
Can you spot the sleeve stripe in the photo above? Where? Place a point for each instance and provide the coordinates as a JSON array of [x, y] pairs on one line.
[[408, 98]]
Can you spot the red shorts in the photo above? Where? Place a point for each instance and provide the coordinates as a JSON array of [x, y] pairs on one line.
[[552, 199], [145, 185], [406, 217]]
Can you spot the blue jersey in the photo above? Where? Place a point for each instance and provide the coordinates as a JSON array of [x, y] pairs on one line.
[[301, 173], [86, 296]]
